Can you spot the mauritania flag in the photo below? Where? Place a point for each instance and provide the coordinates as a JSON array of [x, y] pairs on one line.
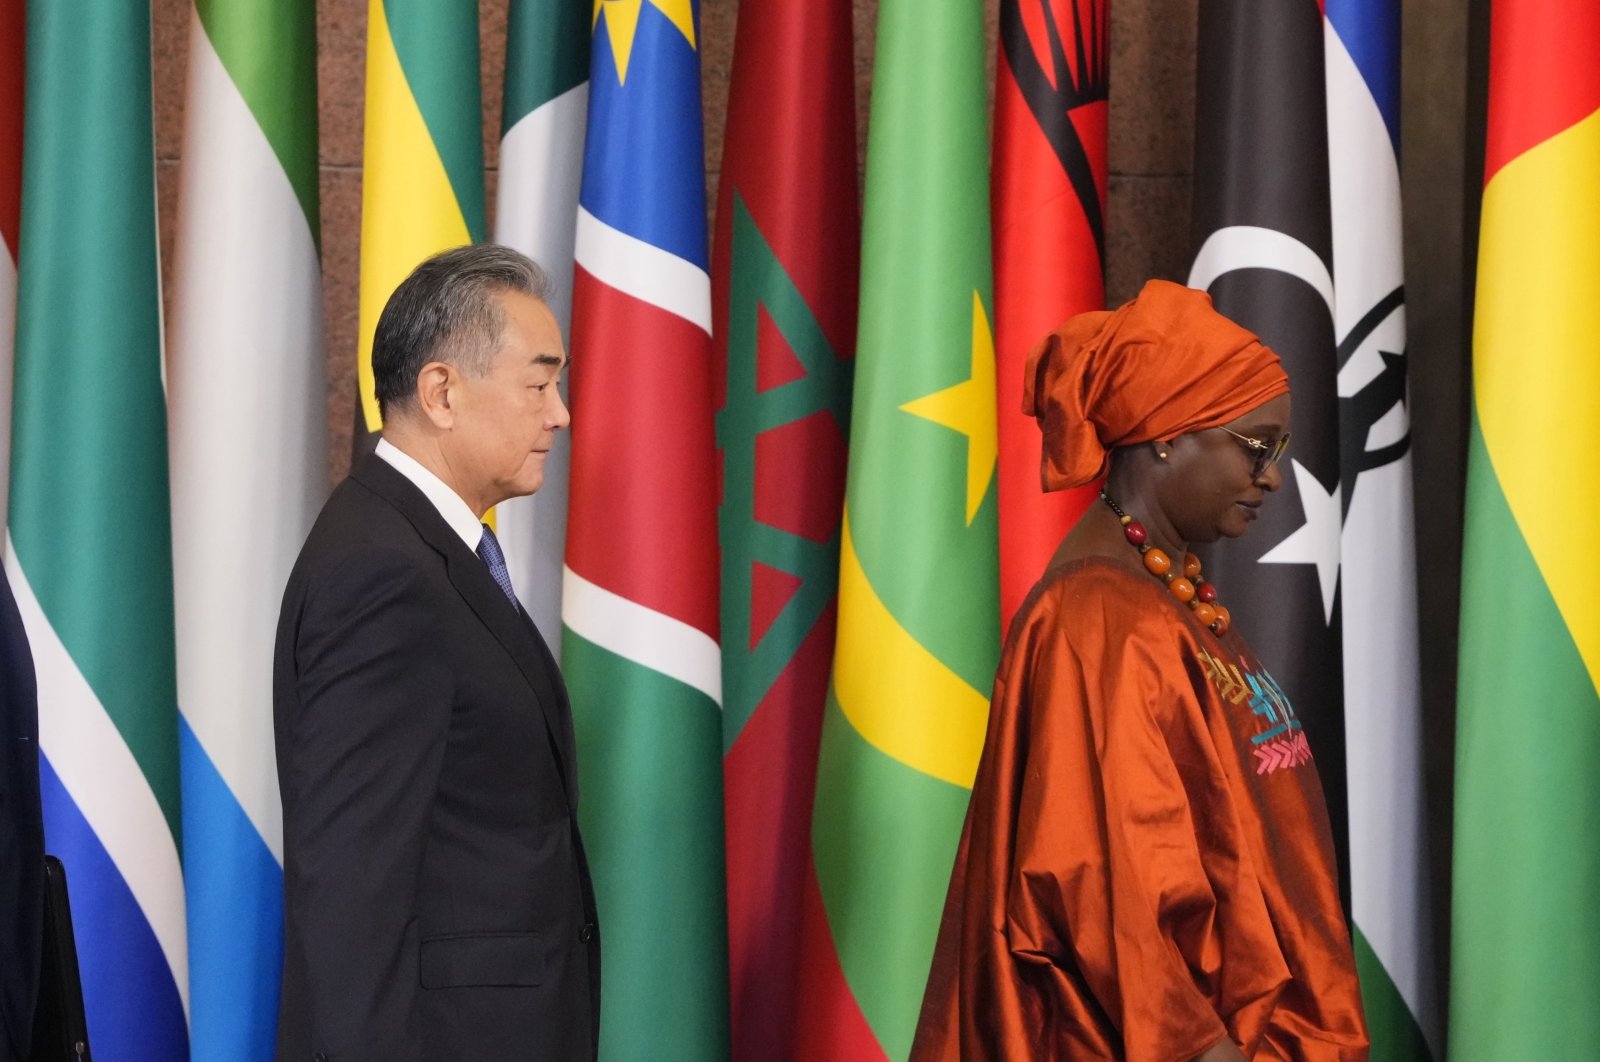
[[1264, 249], [536, 211], [249, 469], [88, 548], [784, 292], [12, 45], [640, 589], [1049, 173], [1525, 938], [422, 157], [1392, 920], [918, 600]]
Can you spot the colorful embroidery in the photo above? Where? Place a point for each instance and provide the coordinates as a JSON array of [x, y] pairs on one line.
[[1279, 742]]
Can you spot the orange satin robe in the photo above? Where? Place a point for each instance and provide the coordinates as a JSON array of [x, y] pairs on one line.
[[1146, 865]]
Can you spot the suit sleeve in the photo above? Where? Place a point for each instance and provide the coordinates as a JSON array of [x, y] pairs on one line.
[[363, 758], [1127, 860]]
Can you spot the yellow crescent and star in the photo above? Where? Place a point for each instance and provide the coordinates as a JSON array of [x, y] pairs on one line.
[[622, 22], [968, 407]]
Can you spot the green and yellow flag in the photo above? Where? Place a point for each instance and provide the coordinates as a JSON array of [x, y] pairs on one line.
[[1525, 940], [918, 597], [422, 160]]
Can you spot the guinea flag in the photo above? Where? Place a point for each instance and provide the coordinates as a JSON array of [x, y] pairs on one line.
[[784, 297], [1525, 929], [1049, 174]]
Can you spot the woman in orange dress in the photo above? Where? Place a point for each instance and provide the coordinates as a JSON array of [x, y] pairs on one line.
[[1146, 870]]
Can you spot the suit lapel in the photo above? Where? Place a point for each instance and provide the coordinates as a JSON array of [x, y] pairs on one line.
[[471, 579]]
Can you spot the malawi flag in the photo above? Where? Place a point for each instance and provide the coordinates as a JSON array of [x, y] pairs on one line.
[[422, 157], [1049, 178], [918, 598], [88, 550], [1264, 249], [640, 598], [249, 471], [1525, 945], [1391, 917], [536, 211], [784, 287]]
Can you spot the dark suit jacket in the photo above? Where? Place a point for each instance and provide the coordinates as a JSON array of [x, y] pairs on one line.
[[437, 901], [21, 833]]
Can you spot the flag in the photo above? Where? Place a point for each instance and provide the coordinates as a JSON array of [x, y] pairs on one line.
[[88, 545], [639, 599], [1263, 240], [249, 471], [422, 157], [1049, 175], [1389, 888], [1525, 931], [536, 211], [784, 291], [12, 41], [918, 635]]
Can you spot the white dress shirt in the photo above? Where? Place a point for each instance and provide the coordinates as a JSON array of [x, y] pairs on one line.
[[456, 512]]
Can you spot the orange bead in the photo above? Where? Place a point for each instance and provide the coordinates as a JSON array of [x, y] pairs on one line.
[[1181, 588], [1157, 562], [1223, 620], [1205, 614], [1191, 566]]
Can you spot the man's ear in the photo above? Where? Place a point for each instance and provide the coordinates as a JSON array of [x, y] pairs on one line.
[[435, 386]]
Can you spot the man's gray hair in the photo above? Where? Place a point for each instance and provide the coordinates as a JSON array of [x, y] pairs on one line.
[[448, 310]]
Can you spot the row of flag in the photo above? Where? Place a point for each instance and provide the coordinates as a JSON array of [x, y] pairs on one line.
[[802, 498]]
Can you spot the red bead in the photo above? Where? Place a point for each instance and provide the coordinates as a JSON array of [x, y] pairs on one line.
[[1222, 622], [1135, 532], [1191, 567], [1157, 562], [1181, 588], [1206, 592]]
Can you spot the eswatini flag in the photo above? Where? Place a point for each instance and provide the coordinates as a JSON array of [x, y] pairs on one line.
[[639, 603], [88, 545], [784, 286], [1049, 194], [1525, 946]]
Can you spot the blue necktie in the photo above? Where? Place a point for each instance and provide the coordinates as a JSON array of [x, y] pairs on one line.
[[489, 550]]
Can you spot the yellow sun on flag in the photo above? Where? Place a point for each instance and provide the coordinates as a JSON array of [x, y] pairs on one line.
[[969, 408], [622, 22]]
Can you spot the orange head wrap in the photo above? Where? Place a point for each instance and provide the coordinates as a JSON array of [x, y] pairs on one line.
[[1160, 366]]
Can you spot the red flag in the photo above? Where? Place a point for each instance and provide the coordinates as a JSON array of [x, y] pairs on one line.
[[12, 42], [1049, 181], [784, 270]]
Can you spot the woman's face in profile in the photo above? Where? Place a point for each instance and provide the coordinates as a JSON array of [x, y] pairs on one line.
[[1213, 490]]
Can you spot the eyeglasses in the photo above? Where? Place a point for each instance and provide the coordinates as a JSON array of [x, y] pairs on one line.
[[1266, 453]]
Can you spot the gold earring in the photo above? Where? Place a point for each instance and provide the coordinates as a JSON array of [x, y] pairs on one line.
[[1161, 454]]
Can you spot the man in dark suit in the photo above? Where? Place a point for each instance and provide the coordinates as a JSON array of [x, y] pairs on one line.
[[21, 834], [437, 902]]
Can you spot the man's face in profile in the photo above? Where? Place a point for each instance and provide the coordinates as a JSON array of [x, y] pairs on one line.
[[508, 418]]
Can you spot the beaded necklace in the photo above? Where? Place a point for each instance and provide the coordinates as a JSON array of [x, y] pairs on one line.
[[1187, 586]]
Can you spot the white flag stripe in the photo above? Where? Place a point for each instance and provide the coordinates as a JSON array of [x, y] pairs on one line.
[[644, 271], [101, 776], [649, 638], [541, 171], [1383, 737], [248, 424]]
